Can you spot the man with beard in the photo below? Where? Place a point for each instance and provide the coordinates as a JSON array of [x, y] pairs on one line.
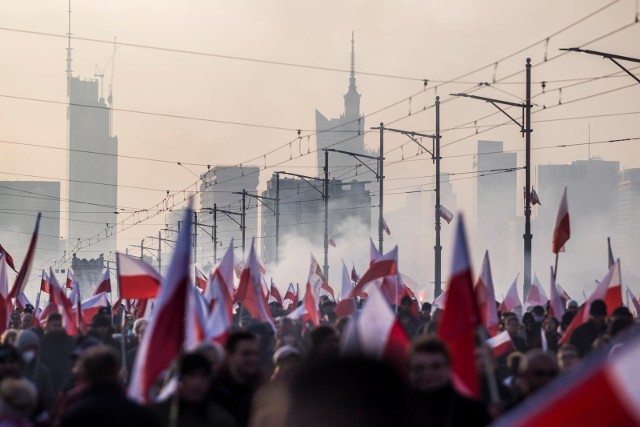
[[55, 348]]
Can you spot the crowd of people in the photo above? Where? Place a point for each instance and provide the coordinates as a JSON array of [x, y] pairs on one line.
[[290, 375]]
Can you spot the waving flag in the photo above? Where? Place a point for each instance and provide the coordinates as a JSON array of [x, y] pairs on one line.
[[200, 278], [385, 227], [105, 283], [354, 274], [64, 305], [501, 344], [5, 302], [71, 280], [511, 300], [25, 269], [136, 278], [249, 292], [332, 242], [562, 230], [91, 306], [311, 306], [386, 265], [44, 282], [165, 334], [613, 297], [536, 295], [535, 200], [610, 253], [461, 318], [555, 304], [445, 214], [8, 258], [485, 298], [634, 302], [346, 306], [290, 296], [274, 294]]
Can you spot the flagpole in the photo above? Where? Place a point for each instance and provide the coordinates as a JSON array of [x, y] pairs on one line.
[[555, 270]]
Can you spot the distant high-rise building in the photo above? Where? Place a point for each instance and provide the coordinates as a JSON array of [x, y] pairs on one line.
[[302, 211], [20, 203], [627, 243], [496, 204], [220, 186], [344, 133], [92, 169]]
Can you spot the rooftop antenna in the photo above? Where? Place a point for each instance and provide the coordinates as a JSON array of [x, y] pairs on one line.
[[69, 45], [353, 56]]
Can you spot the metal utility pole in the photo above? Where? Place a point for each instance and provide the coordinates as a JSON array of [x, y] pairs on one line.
[[610, 56], [435, 156], [214, 232], [525, 129], [381, 180], [159, 252], [195, 237], [243, 219], [325, 197], [277, 217]]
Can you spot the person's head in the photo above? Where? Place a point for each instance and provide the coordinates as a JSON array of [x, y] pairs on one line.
[[287, 360], [405, 303], [54, 324], [425, 310], [9, 336], [550, 324], [436, 314], [484, 357], [429, 364], [528, 321], [10, 363], [28, 345], [568, 358], [538, 370], [139, 327], [101, 326], [14, 320], [99, 364], [511, 324], [619, 324], [194, 377], [27, 320], [18, 397], [242, 352], [538, 313], [324, 342], [214, 352], [598, 311], [572, 306]]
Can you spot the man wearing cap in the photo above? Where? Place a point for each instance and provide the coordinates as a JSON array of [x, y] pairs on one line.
[[287, 361], [584, 335]]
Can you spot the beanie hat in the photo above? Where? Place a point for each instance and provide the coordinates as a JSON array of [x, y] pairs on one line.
[[27, 338]]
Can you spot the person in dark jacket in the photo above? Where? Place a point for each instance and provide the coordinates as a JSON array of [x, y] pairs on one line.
[[55, 348], [584, 335], [433, 401], [28, 345], [189, 405], [103, 403]]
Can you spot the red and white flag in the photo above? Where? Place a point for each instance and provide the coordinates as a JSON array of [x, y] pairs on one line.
[[511, 300], [604, 393], [22, 301], [71, 280], [347, 285], [92, 305], [536, 295], [249, 292], [63, 304], [445, 214], [563, 293], [5, 302], [486, 299], [385, 227], [8, 258], [613, 297], [290, 296], [136, 278], [105, 283], [346, 306], [354, 274], [164, 336], [440, 300], [25, 269], [386, 265], [197, 316], [332, 242], [611, 279], [274, 294], [555, 304], [318, 282], [218, 294], [311, 306], [535, 200], [44, 282], [610, 258], [461, 318], [377, 333], [501, 344], [562, 230], [632, 302], [200, 278]]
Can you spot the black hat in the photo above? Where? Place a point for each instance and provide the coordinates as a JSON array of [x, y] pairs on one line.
[[598, 308], [100, 321], [194, 362]]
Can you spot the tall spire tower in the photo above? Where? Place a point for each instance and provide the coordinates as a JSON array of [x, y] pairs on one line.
[[69, 72], [352, 97]]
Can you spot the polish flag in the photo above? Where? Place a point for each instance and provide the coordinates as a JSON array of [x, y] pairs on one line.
[[274, 294], [219, 289], [485, 298], [535, 200], [634, 301], [461, 318], [22, 301], [536, 295], [63, 305], [197, 316], [445, 214], [49, 308], [136, 278], [347, 285], [377, 332], [249, 292], [354, 274], [386, 265], [290, 296], [373, 252], [200, 278], [332, 242], [511, 300], [604, 393], [613, 298], [105, 283], [318, 281], [71, 280], [610, 257], [385, 227], [37, 311], [562, 230], [563, 293], [44, 282], [611, 279], [8, 258], [25, 270], [76, 300], [5, 302], [164, 337], [501, 344], [555, 305], [92, 305], [311, 306]]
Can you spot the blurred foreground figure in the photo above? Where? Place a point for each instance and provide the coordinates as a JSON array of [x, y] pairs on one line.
[[104, 403], [433, 401], [348, 393]]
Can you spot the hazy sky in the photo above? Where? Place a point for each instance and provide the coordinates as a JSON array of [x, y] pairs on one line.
[[434, 40]]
